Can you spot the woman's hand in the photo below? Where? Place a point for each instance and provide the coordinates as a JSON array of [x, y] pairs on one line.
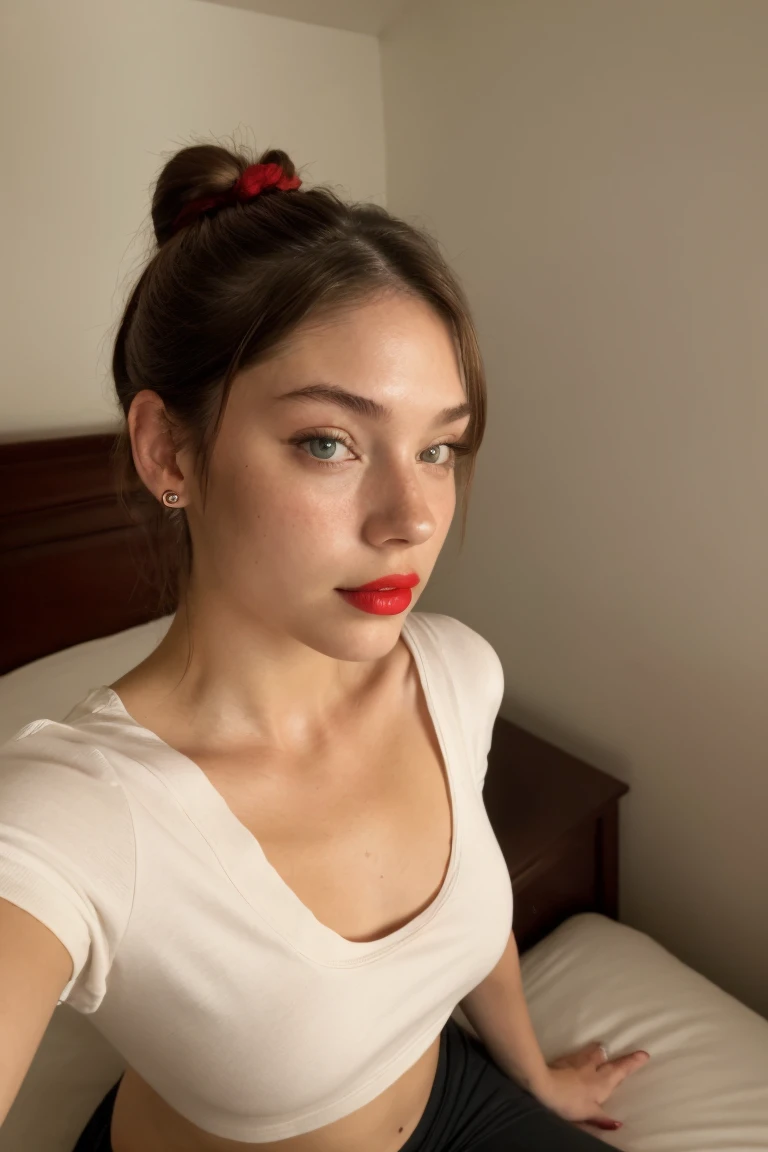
[[580, 1083]]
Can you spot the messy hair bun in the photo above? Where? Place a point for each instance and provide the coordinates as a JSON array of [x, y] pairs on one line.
[[223, 292], [199, 172]]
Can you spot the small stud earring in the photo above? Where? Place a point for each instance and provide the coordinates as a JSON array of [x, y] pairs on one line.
[[170, 498]]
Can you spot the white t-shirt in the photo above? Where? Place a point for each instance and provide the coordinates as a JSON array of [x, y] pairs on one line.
[[196, 960]]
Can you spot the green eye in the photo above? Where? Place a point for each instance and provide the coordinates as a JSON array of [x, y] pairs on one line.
[[327, 445], [325, 452], [323, 447], [435, 450]]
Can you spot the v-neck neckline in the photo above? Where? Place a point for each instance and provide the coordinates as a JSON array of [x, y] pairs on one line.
[[244, 861]]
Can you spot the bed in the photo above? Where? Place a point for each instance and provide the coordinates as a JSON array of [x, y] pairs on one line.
[[78, 612]]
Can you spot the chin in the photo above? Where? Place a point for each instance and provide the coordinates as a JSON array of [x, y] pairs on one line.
[[365, 639]]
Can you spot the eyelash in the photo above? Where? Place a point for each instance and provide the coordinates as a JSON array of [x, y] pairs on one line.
[[458, 447]]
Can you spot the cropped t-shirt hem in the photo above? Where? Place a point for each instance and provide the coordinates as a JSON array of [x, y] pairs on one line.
[[320, 1117]]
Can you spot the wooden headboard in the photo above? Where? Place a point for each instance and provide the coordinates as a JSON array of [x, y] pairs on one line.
[[70, 557]]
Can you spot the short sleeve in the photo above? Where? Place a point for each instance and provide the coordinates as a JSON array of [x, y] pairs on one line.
[[478, 680], [67, 852], [490, 684]]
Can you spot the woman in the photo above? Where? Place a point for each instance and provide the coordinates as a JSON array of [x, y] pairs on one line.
[[260, 859]]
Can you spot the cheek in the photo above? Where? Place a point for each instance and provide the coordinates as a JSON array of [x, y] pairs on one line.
[[288, 514]]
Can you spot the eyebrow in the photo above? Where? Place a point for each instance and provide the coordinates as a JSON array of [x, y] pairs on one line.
[[363, 405]]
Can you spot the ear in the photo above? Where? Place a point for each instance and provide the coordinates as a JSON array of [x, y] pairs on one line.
[[154, 453]]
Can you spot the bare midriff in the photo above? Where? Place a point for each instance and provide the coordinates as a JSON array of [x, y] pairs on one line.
[[143, 1122]]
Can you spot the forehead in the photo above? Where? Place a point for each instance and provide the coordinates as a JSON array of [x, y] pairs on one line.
[[397, 351], [391, 325]]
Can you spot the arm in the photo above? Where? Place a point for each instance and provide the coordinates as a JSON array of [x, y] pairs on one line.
[[576, 1085], [497, 1011], [34, 968]]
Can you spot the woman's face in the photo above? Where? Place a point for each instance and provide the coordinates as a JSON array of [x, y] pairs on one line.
[[309, 494]]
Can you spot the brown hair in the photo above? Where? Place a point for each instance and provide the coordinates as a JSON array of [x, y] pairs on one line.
[[227, 290]]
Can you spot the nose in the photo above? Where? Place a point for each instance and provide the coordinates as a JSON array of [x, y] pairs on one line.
[[397, 509]]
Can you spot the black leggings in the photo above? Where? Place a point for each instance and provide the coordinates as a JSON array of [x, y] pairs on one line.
[[472, 1105]]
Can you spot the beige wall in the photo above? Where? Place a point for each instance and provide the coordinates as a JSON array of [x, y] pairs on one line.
[[92, 97], [598, 173]]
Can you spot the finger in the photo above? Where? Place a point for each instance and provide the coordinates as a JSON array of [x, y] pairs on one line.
[[624, 1066], [589, 1054], [586, 1127], [601, 1119], [596, 1053], [593, 1053]]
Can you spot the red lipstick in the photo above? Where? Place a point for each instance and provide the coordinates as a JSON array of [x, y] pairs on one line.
[[383, 597]]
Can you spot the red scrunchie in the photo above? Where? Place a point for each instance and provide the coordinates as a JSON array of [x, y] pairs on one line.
[[251, 182]]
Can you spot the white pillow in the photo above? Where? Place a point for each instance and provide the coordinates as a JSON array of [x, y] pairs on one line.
[[50, 687], [705, 1088]]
